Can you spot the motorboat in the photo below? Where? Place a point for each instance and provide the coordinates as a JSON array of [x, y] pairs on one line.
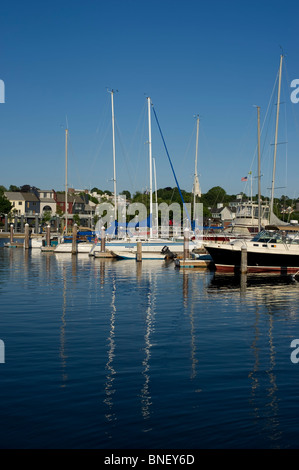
[[275, 249]]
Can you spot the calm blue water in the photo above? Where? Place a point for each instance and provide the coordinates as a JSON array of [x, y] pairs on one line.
[[125, 355]]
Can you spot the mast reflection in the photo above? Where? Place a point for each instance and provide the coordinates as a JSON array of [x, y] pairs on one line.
[[266, 410], [63, 356], [109, 386], [189, 302], [149, 321]]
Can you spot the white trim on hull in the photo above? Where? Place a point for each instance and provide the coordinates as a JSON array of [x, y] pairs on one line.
[[132, 255], [269, 251]]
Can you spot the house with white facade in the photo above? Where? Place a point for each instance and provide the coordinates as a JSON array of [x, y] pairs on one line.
[[47, 201], [223, 214]]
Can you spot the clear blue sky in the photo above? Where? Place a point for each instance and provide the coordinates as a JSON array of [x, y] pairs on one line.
[[217, 59]]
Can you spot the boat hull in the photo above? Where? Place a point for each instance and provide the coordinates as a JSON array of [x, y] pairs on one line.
[[148, 246], [67, 248], [229, 260], [133, 254]]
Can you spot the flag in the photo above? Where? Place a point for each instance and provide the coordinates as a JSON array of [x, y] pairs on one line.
[[244, 178]]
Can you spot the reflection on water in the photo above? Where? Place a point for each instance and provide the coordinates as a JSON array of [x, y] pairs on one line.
[[149, 327], [62, 330], [272, 295], [190, 305], [264, 386], [109, 390], [134, 343], [234, 281]]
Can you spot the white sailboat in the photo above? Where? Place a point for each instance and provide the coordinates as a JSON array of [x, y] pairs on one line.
[[251, 216], [153, 244], [66, 247]]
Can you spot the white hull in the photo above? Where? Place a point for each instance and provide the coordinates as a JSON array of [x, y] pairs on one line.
[[132, 255], [36, 242], [276, 251], [148, 246], [67, 248]]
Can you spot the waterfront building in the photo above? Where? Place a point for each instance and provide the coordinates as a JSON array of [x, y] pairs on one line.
[[47, 201], [23, 203]]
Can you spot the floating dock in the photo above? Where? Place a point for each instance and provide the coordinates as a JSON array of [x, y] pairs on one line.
[[48, 248], [14, 245], [203, 263], [103, 254]]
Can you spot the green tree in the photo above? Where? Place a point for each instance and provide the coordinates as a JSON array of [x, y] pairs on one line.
[[126, 193], [13, 188], [46, 217], [59, 211], [213, 196], [5, 205], [96, 190], [96, 219], [76, 219], [93, 199]]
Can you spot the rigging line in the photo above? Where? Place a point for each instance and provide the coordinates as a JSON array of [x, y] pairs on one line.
[[97, 152], [293, 107], [188, 147], [177, 183], [246, 135], [75, 160], [123, 151], [286, 140], [269, 110], [140, 125], [99, 137], [281, 101], [263, 124]]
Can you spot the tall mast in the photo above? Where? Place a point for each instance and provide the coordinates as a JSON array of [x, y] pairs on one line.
[[66, 211], [150, 164], [196, 189], [276, 132], [259, 166], [156, 197], [114, 166]]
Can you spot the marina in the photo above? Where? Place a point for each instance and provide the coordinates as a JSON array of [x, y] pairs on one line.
[[110, 354], [149, 228]]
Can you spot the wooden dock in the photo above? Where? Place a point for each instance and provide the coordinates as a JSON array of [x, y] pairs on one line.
[[14, 245], [194, 263], [103, 254], [48, 249]]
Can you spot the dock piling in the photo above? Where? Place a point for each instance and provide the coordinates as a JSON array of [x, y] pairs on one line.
[[186, 243], [11, 234], [74, 241], [36, 224], [103, 240], [139, 251], [26, 239], [48, 241], [243, 260]]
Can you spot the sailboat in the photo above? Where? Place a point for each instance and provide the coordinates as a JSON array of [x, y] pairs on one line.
[[275, 249], [252, 216], [153, 244]]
